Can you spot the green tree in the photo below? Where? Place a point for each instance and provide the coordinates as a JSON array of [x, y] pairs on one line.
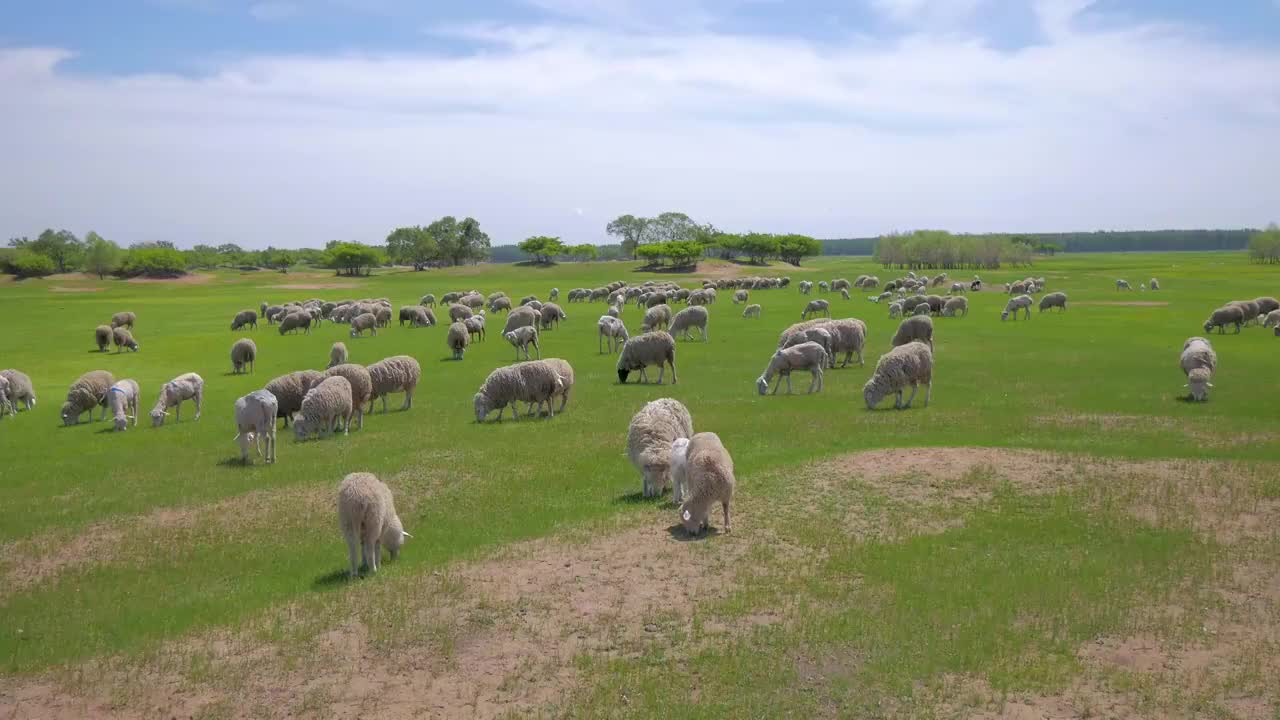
[[25, 263], [62, 248], [276, 259], [412, 246], [794, 248], [683, 253], [759, 246], [1264, 246], [670, 227], [583, 253], [352, 258], [542, 249], [101, 256], [473, 242], [629, 230], [151, 259], [202, 256]]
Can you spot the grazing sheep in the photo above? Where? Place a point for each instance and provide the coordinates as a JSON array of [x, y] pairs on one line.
[[428, 300], [337, 355], [650, 438], [895, 310], [816, 307], [122, 399], [689, 318], [1251, 308], [844, 293], [367, 516], [102, 336], [124, 339], [656, 318], [1054, 300], [245, 317], [1199, 362], [88, 391], [399, 373], [523, 316], [532, 382], [543, 381], [521, 338], [1022, 302], [361, 386], [500, 304], [262, 309], [123, 319], [323, 406], [551, 314], [243, 352], [655, 299], [458, 339], [1224, 316], [255, 421], [1155, 284], [956, 305], [922, 309], [458, 313], [296, 321], [1266, 305], [289, 390], [274, 313], [957, 288], [652, 348], [6, 407], [20, 393], [475, 326], [362, 322], [409, 313], [184, 387], [553, 295], [612, 328], [805, 287], [913, 329], [740, 297], [752, 311], [810, 356], [1272, 319], [708, 470], [1122, 285], [909, 364], [565, 372]]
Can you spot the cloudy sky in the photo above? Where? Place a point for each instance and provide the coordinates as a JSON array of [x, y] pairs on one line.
[[294, 122]]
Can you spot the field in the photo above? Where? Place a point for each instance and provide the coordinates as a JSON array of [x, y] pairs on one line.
[[1058, 534]]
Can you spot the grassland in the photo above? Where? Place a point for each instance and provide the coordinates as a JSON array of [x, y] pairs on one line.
[[150, 572]]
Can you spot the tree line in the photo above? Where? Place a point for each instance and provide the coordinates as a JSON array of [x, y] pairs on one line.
[[675, 239], [1099, 241], [1264, 245]]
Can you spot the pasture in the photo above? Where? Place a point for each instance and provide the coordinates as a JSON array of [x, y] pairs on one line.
[[1057, 533]]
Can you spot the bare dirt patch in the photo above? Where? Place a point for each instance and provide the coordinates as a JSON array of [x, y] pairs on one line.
[[63, 289], [1122, 303], [188, 279]]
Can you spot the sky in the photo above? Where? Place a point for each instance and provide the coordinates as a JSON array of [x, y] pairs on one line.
[[295, 122]]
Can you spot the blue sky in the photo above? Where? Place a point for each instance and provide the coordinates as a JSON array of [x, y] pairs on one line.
[[292, 122]]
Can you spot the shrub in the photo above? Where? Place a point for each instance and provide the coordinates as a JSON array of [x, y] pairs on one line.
[[28, 264], [153, 261]]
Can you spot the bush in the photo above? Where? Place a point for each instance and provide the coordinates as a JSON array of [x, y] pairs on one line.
[[153, 261], [28, 264]]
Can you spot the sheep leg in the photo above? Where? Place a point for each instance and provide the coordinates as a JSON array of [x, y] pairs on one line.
[[199, 402], [672, 360], [788, 376], [384, 405], [351, 551], [914, 389], [897, 400], [728, 526], [777, 384], [536, 347], [408, 399], [644, 376], [928, 392]]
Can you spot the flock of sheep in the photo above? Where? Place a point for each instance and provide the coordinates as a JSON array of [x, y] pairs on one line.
[[661, 443]]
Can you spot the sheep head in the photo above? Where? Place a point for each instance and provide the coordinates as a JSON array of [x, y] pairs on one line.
[[873, 392], [1198, 383], [693, 521], [393, 536], [483, 406], [157, 417], [69, 414]]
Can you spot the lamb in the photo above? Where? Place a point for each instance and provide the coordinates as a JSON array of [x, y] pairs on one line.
[[1223, 316], [255, 420], [913, 329], [367, 516], [844, 294], [653, 348], [521, 317], [1154, 283], [184, 387], [102, 335], [1122, 285], [399, 373], [1198, 361], [816, 307], [740, 297], [612, 328], [458, 312], [650, 443], [752, 311], [20, 393], [243, 352], [552, 314], [1022, 302], [955, 305], [810, 356], [554, 295], [689, 318], [123, 319], [323, 406], [290, 389], [362, 322], [88, 391], [656, 318], [708, 469], [521, 338], [361, 386], [909, 364], [124, 339], [533, 382], [458, 339], [245, 317], [122, 399], [475, 326], [1054, 300]]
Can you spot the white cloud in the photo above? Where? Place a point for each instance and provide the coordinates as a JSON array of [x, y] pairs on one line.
[[1132, 127], [273, 10]]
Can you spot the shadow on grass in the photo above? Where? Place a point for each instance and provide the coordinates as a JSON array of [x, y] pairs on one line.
[[664, 270], [330, 581], [636, 498], [677, 532]]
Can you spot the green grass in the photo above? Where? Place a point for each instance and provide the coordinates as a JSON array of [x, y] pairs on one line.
[[464, 488]]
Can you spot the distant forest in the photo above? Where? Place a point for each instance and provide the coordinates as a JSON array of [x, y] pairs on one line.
[[1102, 241]]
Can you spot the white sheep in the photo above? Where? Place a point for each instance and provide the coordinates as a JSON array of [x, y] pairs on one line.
[[296, 321], [399, 373], [652, 348], [458, 339], [523, 316], [521, 338], [612, 329], [178, 390], [1199, 362], [956, 305], [88, 391], [1122, 285], [364, 321], [895, 310], [289, 390], [21, 393], [243, 352], [816, 307], [650, 438], [123, 319], [809, 356], [551, 315], [917, 327], [1022, 302], [514, 384], [909, 364], [255, 415], [1224, 316], [656, 318], [102, 336], [361, 386], [709, 477], [122, 399], [368, 519], [337, 355], [324, 405], [689, 318], [1053, 300], [124, 339]]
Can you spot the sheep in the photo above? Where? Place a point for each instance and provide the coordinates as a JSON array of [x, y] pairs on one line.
[[255, 421], [914, 329], [20, 393], [1122, 285], [262, 309], [1022, 302], [399, 373], [805, 287], [1198, 361], [689, 318], [957, 288], [955, 305], [910, 304], [565, 372], [841, 284], [243, 352], [472, 301], [122, 399], [815, 307], [408, 313], [124, 339], [6, 407], [88, 391], [909, 364], [123, 319], [500, 304], [521, 338], [871, 283], [1223, 316], [1250, 308], [553, 295], [650, 442], [1054, 300], [337, 355], [656, 299], [475, 326], [652, 348], [383, 316], [458, 313], [1154, 283], [245, 317], [361, 386], [1266, 305], [551, 314], [1272, 319], [521, 317], [922, 309], [656, 318], [290, 389], [752, 311], [810, 356], [848, 336], [1018, 288], [532, 382], [323, 406], [844, 293], [102, 336], [612, 328], [708, 470], [362, 322], [895, 310], [428, 300], [458, 339], [367, 517], [189, 386], [273, 313], [294, 321]]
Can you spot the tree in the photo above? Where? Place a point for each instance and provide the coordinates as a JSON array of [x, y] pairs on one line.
[[629, 230], [758, 246], [62, 248], [101, 256], [412, 245], [583, 253], [543, 249], [352, 258], [280, 260], [1264, 246], [473, 242], [25, 263], [793, 248], [151, 259]]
